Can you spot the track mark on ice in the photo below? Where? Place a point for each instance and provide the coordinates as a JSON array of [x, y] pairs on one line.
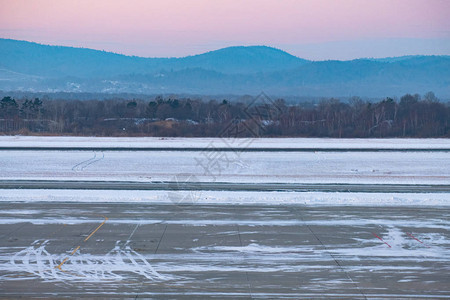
[[84, 164], [381, 239], [413, 237]]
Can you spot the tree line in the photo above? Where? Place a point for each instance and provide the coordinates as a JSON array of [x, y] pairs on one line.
[[410, 116]]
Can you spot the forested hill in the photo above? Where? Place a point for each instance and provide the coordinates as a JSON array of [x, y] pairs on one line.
[[27, 66], [55, 61]]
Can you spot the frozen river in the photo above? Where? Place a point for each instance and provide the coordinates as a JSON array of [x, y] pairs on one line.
[[312, 218], [250, 167], [207, 251]]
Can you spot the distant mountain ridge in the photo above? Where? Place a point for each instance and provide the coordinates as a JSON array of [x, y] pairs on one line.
[[240, 59], [47, 60], [34, 67]]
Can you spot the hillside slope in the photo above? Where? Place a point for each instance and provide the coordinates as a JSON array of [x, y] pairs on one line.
[[33, 67]]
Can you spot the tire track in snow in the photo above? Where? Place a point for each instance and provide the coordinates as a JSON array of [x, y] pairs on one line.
[[84, 164]]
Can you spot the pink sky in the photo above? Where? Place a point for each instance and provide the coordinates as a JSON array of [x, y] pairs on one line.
[[317, 29]]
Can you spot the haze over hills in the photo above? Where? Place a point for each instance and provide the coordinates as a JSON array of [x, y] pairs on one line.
[[34, 67]]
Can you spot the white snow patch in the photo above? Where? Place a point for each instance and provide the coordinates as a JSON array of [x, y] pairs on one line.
[[66, 141], [229, 197], [79, 267]]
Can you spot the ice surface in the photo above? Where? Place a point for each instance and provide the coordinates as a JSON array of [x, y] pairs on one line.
[[253, 167], [65, 141], [229, 197]]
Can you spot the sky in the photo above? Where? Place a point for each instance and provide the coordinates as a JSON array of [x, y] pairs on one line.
[[311, 29]]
